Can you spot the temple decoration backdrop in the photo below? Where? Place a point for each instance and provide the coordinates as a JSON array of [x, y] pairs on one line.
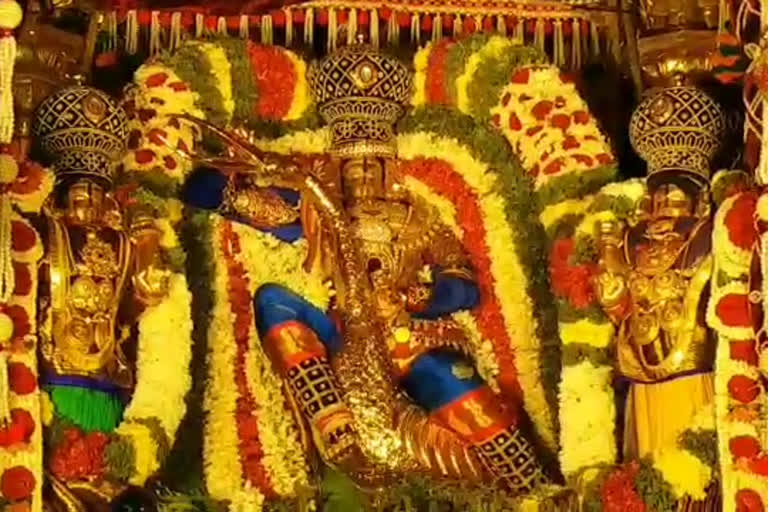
[[388, 256]]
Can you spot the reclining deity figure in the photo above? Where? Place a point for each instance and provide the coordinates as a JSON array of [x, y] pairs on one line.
[[384, 379]]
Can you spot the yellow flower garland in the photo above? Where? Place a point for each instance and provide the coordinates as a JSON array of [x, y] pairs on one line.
[[301, 96], [163, 380], [221, 69], [421, 63]]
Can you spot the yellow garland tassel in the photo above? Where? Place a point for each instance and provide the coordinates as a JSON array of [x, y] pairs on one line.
[[199, 25], [266, 29], [501, 25], [244, 27], [221, 26], [5, 407], [416, 29], [288, 27], [332, 29], [576, 45], [352, 26], [458, 26], [175, 39], [309, 26], [393, 29], [519, 34], [374, 28], [112, 30], [559, 56], [538, 35], [131, 32], [437, 28], [594, 39], [154, 33]]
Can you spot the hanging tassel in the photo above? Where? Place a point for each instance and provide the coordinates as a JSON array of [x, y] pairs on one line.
[[594, 39], [501, 25], [393, 29], [288, 27], [309, 26], [519, 33], [374, 28], [174, 41], [5, 406], [352, 26], [416, 29], [266, 30], [245, 27], [221, 26], [538, 35], [479, 24], [154, 33], [199, 25], [9, 170], [559, 44], [112, 30], [437, 28], [131, 32], [332, 29], [458, 26], [576, 45]]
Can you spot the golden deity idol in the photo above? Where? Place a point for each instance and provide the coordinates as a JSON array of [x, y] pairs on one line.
[[100, 270], [385, 379], [655, 272]]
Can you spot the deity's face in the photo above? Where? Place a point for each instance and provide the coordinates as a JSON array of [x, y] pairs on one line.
[[363, 178], [85, 201], [671, 201]]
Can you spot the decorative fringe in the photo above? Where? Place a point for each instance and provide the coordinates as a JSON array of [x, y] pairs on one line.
[[199, 25], [267, 32], [112, 31], [155, 45], [288, 27], [7, 273], [309, 26], [458, 26], [221, 26], [416, 29], [89, 409], [519, 33], [501, 25], [245, 27], [538, 35], [594, 39], [393, 28], [131, 32], [374, 28], [5, 407], [437, 28], [175, 37], [352, 26], [332, 29], [576, 44], [559, 44]]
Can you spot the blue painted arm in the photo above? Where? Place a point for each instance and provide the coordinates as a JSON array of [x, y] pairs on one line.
[[205, 189], [276, 305], [450, 294]]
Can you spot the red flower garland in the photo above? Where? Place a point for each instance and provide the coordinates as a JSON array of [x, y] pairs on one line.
[[742, 234], [276, 78], [436, 73], [571, 282], [79, 456], [251, 451], [442, 178]]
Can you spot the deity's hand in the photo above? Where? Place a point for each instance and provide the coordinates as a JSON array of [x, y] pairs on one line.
[[151, 284]]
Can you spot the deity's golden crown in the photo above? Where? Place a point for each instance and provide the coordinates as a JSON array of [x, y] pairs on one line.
[[361, 93], [83, 131], [678, 129]]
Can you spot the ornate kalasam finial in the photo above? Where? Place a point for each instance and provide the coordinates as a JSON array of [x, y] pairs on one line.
[[678, 129], [83, 131], [361, 93]]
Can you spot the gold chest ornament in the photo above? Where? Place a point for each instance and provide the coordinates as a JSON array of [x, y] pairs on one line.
[[86, 289], [663, 336]]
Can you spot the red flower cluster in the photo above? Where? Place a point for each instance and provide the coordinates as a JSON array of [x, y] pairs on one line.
[[436, 78], [79, 456], [275, 77], [19, 431], [17, 483], [618, 492], [571, 282], [251, 451], [740, 233]]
